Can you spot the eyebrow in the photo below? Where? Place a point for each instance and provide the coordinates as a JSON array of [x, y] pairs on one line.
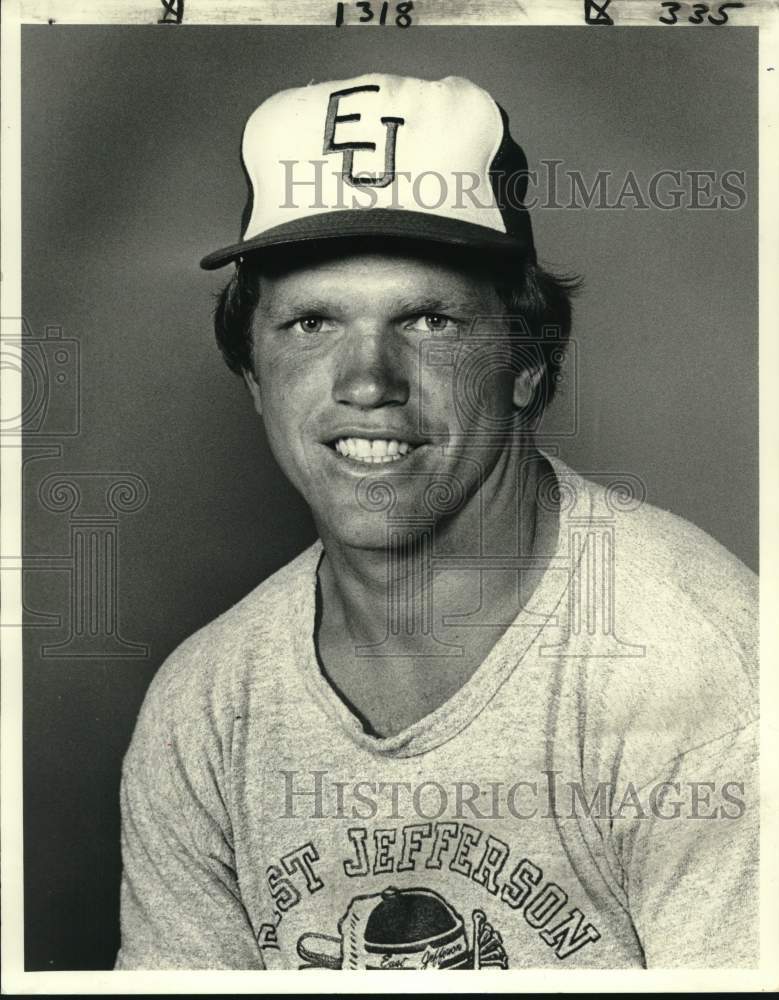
[[466, 304], [303, 305]]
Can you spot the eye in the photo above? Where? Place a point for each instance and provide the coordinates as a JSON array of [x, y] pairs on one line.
[[310, 324], [433, 323]]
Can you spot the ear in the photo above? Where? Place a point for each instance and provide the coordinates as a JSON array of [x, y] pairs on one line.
[[254, 389], [525, 385]]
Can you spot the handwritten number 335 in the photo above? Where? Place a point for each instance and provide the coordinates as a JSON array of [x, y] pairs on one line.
[[699, 9]]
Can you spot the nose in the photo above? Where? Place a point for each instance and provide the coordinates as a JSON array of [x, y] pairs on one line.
[[371, 372]]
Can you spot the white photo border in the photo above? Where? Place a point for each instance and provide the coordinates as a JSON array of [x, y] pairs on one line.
[[629, 13]]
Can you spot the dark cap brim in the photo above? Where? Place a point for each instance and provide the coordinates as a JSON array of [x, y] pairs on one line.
[[376, 222]]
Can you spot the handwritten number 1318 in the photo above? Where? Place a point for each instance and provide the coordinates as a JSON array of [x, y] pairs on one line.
[[402, 10], [699, 9]]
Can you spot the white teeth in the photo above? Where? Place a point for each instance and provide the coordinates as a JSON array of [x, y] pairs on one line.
[[373, 451]]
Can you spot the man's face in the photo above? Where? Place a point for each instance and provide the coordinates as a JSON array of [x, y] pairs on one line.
[[360, 360]]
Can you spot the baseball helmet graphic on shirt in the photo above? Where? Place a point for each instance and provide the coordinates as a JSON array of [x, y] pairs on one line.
[[405, 929]]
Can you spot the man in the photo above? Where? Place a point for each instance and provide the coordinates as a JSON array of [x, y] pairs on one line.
[[497, 716]]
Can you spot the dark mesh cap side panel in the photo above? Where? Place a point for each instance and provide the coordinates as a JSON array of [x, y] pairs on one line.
[[509, 179]]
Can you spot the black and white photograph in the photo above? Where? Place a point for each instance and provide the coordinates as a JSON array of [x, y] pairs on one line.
[[382, 490]]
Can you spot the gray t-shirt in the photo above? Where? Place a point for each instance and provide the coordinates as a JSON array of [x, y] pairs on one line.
[[588, 799]]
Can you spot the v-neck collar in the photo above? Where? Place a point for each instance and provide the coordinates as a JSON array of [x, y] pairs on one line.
[[461, 708]]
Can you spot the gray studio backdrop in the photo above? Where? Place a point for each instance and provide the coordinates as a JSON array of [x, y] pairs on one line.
[[152, 501]]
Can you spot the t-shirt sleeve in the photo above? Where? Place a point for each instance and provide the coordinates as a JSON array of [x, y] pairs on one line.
[[181, 905], [691, 861]]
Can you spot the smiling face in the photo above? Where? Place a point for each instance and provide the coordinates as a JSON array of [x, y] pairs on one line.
[[360, 362]]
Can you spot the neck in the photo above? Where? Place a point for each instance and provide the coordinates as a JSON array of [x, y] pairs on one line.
[[361, 587]]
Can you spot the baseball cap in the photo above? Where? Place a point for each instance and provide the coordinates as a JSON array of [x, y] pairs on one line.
[[387, 157]]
